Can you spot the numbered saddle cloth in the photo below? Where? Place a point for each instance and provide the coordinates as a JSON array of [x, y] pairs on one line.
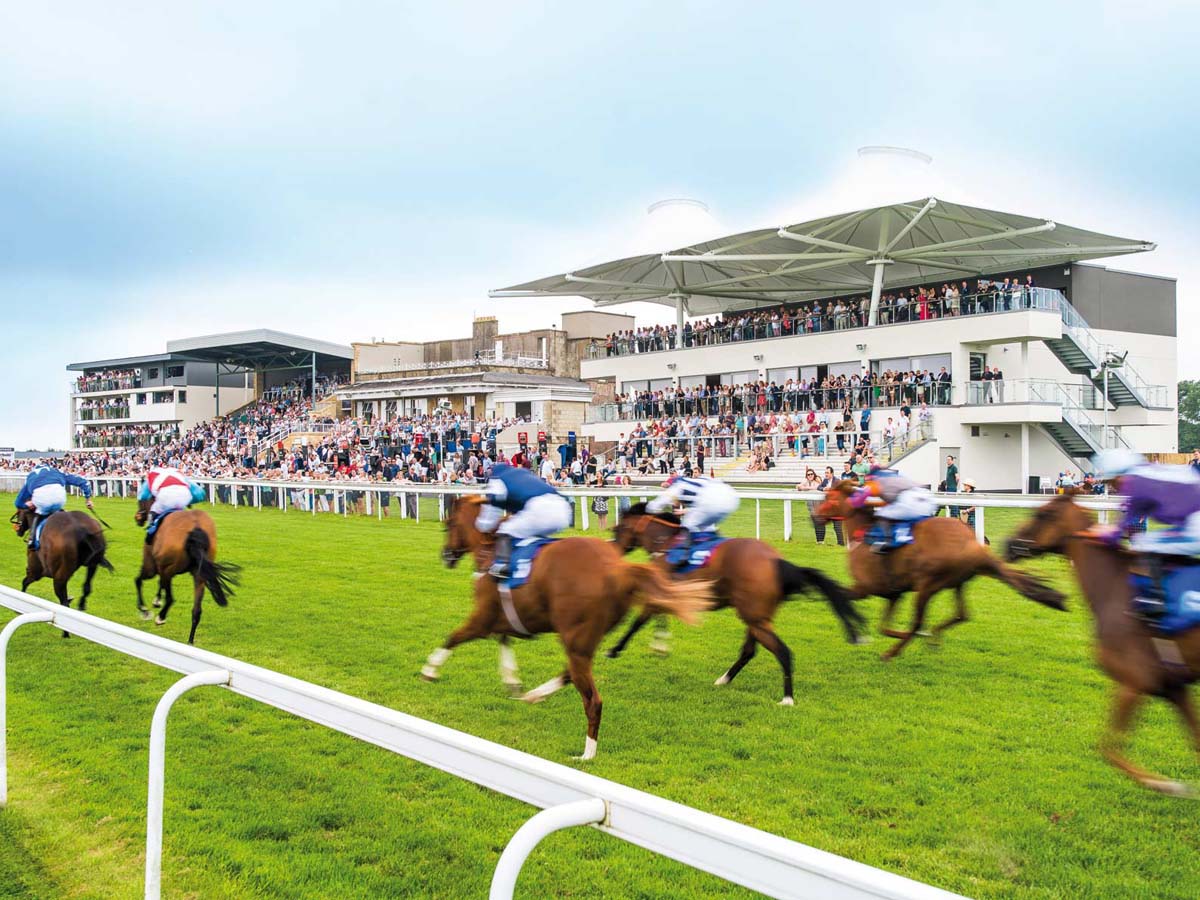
[[1181, 597], [689, 557], [893, 534], [521, 561]]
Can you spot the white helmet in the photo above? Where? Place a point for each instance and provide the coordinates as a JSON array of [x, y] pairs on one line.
[[1109, 464]]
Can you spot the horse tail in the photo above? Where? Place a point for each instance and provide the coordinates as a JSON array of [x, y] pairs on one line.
[[795, 579], [94, 548], [1026, 585], [660, 595], [219, 578]]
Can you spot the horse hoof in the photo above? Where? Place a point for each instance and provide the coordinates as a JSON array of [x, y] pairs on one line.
[[887, 657], [861, 639], [157, 604], [660, 649], [516, 691], [145, 614], [1172, 788], [612, 654], [787, 701], [159, 620], [924, 634], [723, 680], [429, 673]]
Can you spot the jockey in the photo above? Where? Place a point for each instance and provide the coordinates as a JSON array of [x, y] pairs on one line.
[[706, 501], [171, 491], [45, 492], [897, 499], [1169, 494], [535, 510]]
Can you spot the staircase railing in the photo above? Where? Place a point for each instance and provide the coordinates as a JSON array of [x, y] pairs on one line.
[[1081, 333], [1095, 433]]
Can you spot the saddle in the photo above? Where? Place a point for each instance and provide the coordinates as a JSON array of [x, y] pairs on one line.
[[520, 564], [152, 526], [39, 523], [689, 556], [890, 534], [1166, 593]]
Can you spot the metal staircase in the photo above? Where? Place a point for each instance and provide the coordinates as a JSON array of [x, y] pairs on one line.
[[1077, 434], [1080, 352]]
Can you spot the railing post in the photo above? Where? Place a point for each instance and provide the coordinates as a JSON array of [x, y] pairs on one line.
[[787, 520], [758, 518], [549, 820], [158, 754], [584, 504], [979, 527], [5, 635]]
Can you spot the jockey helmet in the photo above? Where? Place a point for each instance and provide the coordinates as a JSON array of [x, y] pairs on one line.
[[1113, 463]]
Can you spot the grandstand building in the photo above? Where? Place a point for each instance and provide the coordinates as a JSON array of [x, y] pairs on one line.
[[534, 375], [1086, 353], [142, 401]]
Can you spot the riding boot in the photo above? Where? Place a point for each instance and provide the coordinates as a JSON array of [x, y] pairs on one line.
[[1152, 604], [151, 528], [884, 545], [678, 554], [501, 557], [35, 531]]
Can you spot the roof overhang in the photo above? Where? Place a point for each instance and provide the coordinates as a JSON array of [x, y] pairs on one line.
[[261, 348], [918, 242]]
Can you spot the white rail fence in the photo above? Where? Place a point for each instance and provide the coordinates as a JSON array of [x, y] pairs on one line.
[[338, 497], [567, 797]]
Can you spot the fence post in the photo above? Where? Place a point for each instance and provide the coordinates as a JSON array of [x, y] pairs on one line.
[[758, 518], [5, 635], [158, 754], [584, 504], [554, 818], [979, 512], [787, 520]]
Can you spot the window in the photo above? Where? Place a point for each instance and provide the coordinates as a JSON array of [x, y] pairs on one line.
[[690, 381], [164, 396], [740, 377], [141, 399], [181, 397], [174, 371], [779, 376], [152, 373], [524, 409]]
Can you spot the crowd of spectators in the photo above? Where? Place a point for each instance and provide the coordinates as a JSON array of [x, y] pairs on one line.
[[103, 408], [914, 304], [108, 380]]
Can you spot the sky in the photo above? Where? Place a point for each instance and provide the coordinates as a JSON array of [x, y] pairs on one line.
[[369, 170]]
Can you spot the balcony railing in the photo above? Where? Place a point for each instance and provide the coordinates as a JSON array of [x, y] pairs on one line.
[[93, 386], [767, 402], [794, 322], [89, 440], [103, 412]]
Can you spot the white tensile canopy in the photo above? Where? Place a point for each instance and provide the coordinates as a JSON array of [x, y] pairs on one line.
[[871, 250]]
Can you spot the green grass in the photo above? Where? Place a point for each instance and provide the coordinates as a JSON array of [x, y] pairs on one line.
[[972, 766]]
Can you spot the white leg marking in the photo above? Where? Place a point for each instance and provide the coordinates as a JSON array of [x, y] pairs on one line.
[[724, 679], [436, 660], [508, 666], [159, 620], [787, 701], [661, 643], [589, 749], [542, 691]]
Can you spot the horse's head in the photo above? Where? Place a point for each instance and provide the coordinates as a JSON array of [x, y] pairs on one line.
[[462, 537], [640, 528], [1050, 528], [143, 511], [836, 505], [22, 521]]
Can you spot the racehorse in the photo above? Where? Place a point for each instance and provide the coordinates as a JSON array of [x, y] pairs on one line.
[[1141, 664], [579, 588], [748, 575], [70, 541], [186, 541], [944, 555]]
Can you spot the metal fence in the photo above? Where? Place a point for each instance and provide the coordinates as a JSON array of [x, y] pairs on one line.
[[567, 797]]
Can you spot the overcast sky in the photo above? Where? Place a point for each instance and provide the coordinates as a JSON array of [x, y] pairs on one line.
[[358, 170]]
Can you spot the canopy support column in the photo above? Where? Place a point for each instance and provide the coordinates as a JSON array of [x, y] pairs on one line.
[[876, 291], [314, 377], [680, 313], [217, 369]]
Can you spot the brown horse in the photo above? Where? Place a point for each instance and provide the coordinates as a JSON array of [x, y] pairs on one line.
[[944, 555], [579, 588], [70, 541], [748, 575], [186, 542], [1141, 663]]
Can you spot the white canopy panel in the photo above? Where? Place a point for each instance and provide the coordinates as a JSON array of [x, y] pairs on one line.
[[912, 243]]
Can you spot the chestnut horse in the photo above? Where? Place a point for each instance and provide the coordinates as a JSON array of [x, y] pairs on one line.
[[70, 541], [748, 575], [944, 555], [1126, 648], [579, 588], [185, 542]]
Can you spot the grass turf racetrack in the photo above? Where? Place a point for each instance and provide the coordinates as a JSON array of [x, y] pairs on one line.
[[972, 767]]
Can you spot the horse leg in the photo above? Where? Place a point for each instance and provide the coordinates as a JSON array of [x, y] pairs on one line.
[[478, 625], [164, 585], [508, 667], [765, 635], [749, 646], [1182, 701], [889, 610], [620, 645], [580, 669], [87, 586], [922, 601], [661, 644], [960, 613], [147, 571], [553, 686], [1113, 743], [197, 598], [60, 591]]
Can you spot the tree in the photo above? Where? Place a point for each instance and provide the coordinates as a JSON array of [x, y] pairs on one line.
[[1189, 416]]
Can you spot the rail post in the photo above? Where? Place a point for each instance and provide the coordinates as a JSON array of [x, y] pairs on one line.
[[158, 754], [529, 835], [787, 520], [5, 636]]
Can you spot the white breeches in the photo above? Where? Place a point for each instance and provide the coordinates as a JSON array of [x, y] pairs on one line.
[[49, 498], [172, 498], [914, 503], [542, 516], [711, 508], [1183, 541]]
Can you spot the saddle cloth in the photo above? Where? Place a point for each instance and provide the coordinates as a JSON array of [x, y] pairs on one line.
[[689, 557], [153, 526], [37, 530], [901, 532], [1181, 600], [521, 561]]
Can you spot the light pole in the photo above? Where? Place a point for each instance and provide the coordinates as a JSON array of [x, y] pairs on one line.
[[1111, 361]]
